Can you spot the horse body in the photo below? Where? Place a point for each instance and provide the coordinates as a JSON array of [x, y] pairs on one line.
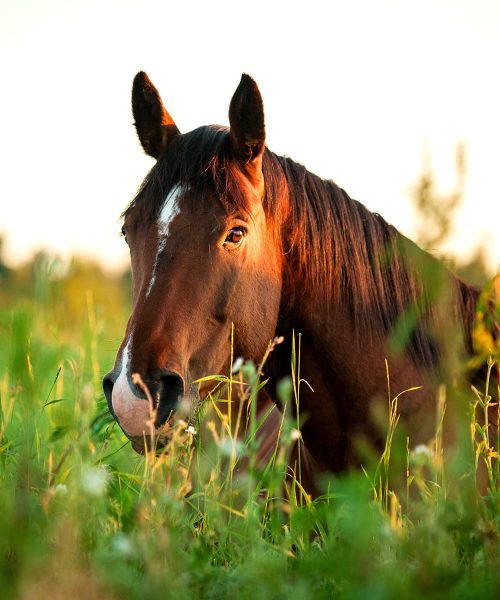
[[224, 233]]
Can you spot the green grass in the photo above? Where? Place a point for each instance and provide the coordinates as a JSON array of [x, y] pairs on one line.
[[81, 515]]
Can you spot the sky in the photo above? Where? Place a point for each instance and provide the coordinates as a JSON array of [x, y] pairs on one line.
[[364, 92]]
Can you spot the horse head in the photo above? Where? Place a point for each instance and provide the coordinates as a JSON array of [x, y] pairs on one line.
[[205, 258]]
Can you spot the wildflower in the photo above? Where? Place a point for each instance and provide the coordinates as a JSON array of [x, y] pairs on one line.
[[123, 545], [61, 489], [95, 480], [422, 450], [238, 363], [295, 434], [231, 447], [191, 430], [421, 455]]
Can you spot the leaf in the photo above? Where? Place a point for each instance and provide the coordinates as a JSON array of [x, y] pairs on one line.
[[221, 378], [52, 386], [5, 446], [55, 402]]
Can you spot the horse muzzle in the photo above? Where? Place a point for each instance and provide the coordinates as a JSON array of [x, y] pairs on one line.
[[143, 406]]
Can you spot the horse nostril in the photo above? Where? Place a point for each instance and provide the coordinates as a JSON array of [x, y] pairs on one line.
[[170, 392], [107, 386]]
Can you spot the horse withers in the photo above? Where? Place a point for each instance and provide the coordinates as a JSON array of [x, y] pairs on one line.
[[225, 234]]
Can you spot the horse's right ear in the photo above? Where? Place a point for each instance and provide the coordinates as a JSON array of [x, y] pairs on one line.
[[155, 127]]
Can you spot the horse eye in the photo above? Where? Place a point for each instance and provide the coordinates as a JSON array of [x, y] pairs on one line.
[[124, 234], [235, 235]]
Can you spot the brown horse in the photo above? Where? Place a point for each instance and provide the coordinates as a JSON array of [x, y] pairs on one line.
[[223, 232]]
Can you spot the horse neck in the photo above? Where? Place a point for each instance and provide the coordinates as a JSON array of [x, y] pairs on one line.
[[327, 334]]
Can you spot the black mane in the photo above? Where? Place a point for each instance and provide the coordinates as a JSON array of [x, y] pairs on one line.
[[391, 285]]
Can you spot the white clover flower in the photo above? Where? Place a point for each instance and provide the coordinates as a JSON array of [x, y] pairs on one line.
[[238, 363], [228, 446], [95, 480], [386, 530], [122, 544], [61, 489], [191, 430], [422, 450]]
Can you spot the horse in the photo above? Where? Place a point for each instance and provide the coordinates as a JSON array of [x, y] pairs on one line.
[[232, 246]]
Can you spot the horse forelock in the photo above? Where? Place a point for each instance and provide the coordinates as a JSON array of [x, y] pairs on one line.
[[200, 161]]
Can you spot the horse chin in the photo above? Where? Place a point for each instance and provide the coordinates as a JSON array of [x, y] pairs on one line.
[[158, 439], [145, 444]]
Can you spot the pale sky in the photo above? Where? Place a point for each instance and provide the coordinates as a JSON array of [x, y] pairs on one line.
[[358, 91]]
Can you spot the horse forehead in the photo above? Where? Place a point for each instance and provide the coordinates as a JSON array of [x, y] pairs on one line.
[[173, 205]]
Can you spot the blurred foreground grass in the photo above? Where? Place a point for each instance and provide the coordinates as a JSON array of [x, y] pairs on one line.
[[81, 515]]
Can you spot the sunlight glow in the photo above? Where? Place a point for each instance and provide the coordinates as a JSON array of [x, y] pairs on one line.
[[359, 92]]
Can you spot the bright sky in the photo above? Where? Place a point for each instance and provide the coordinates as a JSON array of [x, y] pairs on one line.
[[358, 91]]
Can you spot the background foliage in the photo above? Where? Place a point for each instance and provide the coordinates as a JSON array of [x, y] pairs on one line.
[[81, 515]]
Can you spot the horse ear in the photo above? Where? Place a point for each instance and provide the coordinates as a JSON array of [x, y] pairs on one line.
[[155, 127], [246, 117]]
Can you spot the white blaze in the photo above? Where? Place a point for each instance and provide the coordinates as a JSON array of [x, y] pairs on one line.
[[168, 213], [132, 412]]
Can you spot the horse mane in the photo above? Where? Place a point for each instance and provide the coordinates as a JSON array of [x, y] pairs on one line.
[[333, 243], [342, 249]]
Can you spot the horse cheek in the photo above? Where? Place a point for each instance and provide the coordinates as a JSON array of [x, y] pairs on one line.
[[257, 318]]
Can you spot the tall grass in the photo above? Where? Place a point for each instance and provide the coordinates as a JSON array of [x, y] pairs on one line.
[[81, 515]]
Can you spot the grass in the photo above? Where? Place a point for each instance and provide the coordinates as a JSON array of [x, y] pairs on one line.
[[81, 515]]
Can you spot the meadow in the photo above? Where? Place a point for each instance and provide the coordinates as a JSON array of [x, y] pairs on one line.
[[83, 516]]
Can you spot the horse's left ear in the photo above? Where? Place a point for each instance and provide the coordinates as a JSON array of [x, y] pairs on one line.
[[246, 117], [155, 127]]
